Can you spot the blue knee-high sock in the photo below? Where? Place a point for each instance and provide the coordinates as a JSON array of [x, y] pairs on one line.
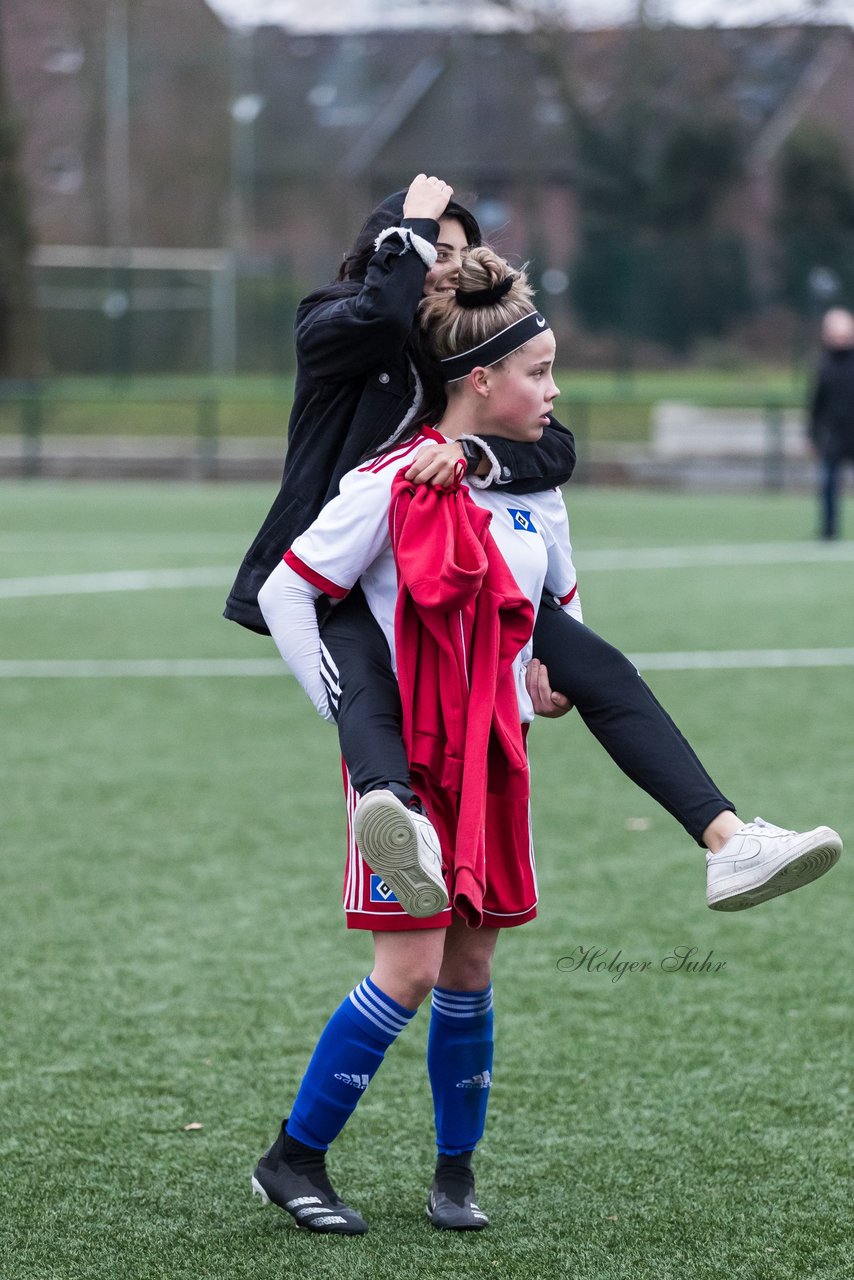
[[348, 1054], [459, 1061]]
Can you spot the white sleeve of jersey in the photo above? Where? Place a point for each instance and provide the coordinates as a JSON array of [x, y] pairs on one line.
[[573, 607], [561, 580], [352, 529], [287, 603]]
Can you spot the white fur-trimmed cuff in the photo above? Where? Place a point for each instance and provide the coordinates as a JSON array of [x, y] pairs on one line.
[[425, 250], [494, 475]]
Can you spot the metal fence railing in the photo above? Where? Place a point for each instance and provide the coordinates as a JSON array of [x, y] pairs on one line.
[[214, 429]]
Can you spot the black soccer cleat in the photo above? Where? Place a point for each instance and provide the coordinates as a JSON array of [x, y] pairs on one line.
[[451, 1204], [298, 1183]]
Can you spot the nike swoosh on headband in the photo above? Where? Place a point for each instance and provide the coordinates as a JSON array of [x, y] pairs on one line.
[[501, 344]]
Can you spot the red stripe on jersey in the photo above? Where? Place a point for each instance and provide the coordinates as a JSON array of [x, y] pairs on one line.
[[316, 579], [397, 455], [566, 599], [430, 433]]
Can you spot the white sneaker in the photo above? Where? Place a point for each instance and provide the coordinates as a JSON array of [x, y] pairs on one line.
[[762, 861], [401, 845]]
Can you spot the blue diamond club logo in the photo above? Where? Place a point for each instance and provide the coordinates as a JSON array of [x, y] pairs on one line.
[[522, 520], [380, 891]]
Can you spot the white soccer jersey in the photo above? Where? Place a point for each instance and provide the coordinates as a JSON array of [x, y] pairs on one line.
[[350, 541]]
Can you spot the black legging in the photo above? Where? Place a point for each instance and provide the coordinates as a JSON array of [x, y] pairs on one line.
[[616, 705]]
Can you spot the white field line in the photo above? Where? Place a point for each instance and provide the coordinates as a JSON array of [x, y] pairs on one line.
[[716, 556], [72, 584], [180, 668], [18, 540], [588, 562], [743, 659], [638, 558], [131, 668]]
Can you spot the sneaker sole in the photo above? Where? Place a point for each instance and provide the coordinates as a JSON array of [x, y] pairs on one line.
[[797, 869], [389, 845]]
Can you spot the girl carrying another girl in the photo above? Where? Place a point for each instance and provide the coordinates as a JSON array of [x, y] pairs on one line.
[[454, 580], [361, 383], [458, 627]]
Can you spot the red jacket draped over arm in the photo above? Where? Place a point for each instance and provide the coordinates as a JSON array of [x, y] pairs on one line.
[[460, 622]]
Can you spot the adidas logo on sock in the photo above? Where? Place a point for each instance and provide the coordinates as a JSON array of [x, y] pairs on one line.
[[357, 1081], [481, 1081]]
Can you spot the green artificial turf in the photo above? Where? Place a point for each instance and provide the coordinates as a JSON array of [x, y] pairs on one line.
[[173, 941]]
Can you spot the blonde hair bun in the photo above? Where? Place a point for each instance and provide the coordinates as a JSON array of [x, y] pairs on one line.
[[449, 326]]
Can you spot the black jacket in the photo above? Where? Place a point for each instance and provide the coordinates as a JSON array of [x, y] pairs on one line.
[[355, 384], [831, 424]]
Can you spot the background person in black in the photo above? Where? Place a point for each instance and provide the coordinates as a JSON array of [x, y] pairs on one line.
[[363, 382], [831, 416]]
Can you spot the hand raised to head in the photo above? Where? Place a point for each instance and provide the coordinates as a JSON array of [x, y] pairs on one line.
[[426, 197]]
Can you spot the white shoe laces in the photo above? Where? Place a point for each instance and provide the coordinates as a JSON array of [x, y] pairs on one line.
[[759, 827]]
